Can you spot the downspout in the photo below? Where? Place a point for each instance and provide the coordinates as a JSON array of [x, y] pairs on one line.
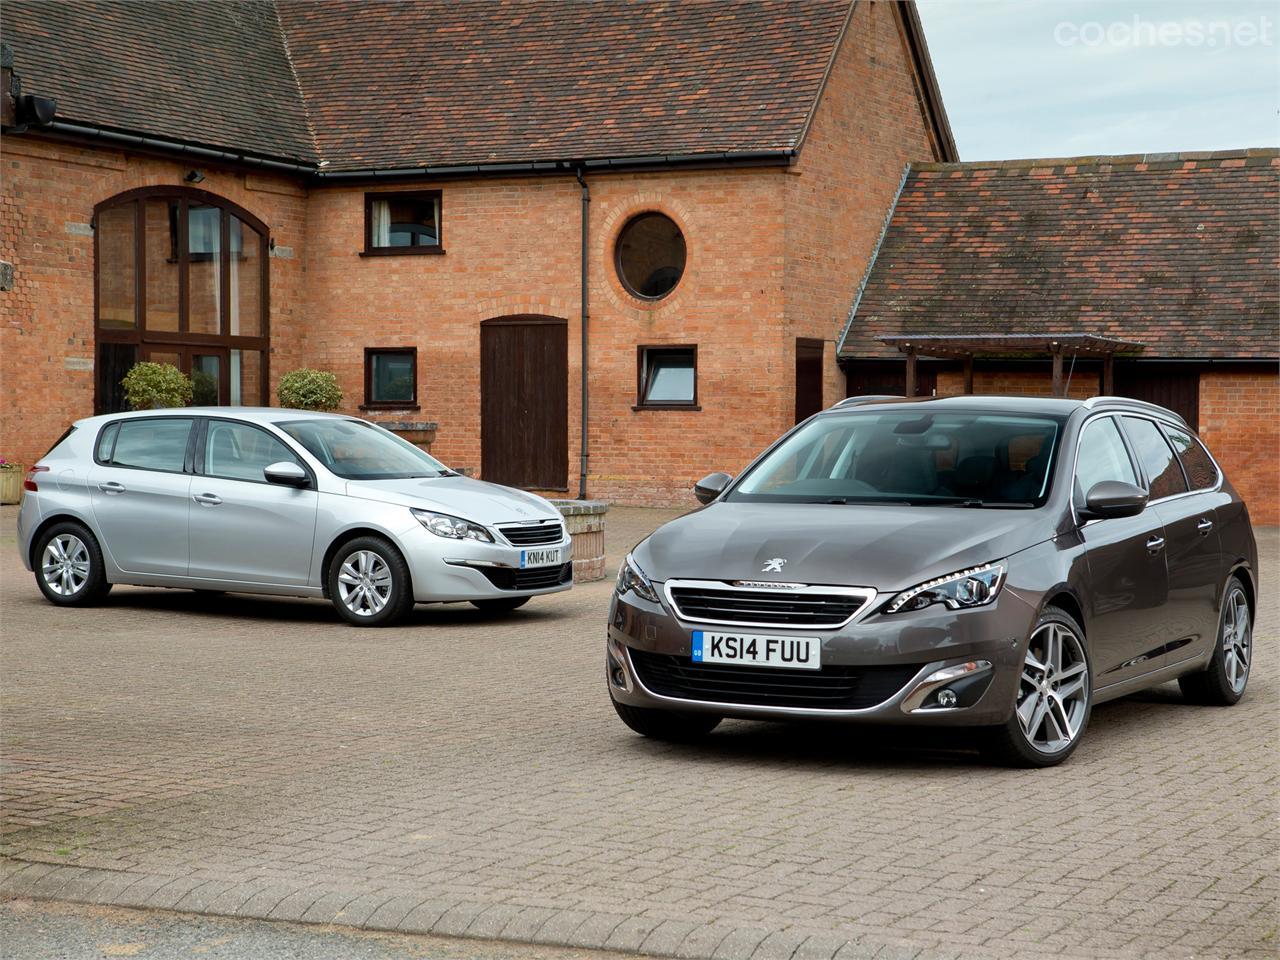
[[586, 235]]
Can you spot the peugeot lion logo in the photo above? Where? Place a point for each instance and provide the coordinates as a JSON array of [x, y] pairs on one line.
[[774, 566]]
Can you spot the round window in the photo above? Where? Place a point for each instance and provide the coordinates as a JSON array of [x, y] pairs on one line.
[[650, 255]]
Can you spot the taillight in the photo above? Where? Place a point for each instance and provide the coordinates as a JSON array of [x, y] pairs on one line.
[[30, 482]]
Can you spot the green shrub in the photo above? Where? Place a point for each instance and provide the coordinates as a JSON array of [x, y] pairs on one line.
[[308, 389], [204, 389], [153, 386]]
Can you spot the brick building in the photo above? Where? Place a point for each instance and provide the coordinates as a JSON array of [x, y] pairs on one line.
[[986, 270], [436, 200]]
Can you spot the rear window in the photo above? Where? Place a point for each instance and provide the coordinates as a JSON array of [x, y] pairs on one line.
[[1163, 470], [60, 441], [1199, 467], [159, 444]]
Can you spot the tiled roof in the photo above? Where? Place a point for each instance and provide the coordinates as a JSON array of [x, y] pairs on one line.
[[211, 73], [1180, 252], [392, 84]]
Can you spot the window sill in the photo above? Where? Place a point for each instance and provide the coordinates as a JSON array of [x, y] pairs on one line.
[[402, 252], [695, 407], [389, 406]]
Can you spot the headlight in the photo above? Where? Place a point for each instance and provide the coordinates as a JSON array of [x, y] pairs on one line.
[[968, 588], [631, 577], [455, 528]]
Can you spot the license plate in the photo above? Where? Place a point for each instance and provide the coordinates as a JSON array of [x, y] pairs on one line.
[[796, 653], [539, 558]]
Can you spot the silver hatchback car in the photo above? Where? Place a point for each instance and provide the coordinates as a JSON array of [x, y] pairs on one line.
[[283, 502]]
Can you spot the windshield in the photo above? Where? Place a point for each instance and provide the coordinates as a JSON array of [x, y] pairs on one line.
[[969, 459], [356, 450]]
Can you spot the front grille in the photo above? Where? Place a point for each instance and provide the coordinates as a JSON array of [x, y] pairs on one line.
[[533, 536], [507, 578], [809, 607], [831, 688]]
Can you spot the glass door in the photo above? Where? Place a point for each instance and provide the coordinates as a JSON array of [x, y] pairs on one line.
[[208, 368]]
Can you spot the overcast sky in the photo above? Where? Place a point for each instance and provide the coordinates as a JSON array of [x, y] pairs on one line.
[[1058, 78]]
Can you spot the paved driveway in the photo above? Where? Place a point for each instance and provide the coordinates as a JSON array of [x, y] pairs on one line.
[[466, 775]]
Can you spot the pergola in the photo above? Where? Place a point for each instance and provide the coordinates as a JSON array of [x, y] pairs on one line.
[[965, 347]]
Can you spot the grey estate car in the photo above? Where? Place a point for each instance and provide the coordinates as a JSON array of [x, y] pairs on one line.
[[281, 502], [992, 562]]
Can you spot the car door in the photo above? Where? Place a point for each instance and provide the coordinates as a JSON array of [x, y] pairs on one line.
[[1128, 577], [242, 527], [1192, 551], [140, 488]]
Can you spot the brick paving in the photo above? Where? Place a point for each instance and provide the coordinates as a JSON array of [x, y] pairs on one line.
[[465, 775]]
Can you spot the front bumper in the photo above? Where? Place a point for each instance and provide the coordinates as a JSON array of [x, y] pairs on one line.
[[901, 656], [447, 571]]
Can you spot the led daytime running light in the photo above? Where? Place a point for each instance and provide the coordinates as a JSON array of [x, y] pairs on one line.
[[907, 596]]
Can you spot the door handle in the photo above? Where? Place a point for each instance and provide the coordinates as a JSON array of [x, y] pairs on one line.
[[1204, 526], [1155, 544], [208, 499], [110, 486]]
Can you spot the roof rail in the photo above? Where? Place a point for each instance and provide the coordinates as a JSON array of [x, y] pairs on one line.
[[1129, 403], [870, 398]]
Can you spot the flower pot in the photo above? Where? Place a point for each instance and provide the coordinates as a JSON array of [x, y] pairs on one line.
[[10, 486]]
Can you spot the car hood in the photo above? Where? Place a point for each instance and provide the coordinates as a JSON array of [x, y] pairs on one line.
[[457, 496], [886, 547]]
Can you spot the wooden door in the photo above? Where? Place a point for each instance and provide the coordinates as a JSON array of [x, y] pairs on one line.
[[808, 377], [524, 402], [1173, 387]]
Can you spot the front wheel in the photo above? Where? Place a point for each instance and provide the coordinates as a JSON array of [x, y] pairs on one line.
[[1055, 697], [1222, 682], [673, 726], [369, 583], [69, 567]]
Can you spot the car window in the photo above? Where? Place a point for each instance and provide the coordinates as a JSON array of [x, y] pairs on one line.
[[159, 444], [237, 451], [965, 457], [1157, 457], [1102, 457], [1200, 470], [107, 440], [357, 450]]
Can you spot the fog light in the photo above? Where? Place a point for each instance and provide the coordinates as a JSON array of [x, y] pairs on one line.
[[620, 681], [946, 698]]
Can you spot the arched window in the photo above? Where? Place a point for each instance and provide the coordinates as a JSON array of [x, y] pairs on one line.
[[181, 278]]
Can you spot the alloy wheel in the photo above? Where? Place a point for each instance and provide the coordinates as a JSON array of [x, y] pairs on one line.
[[364, 583], [1237, 640], [65, 564], [1053, 693]]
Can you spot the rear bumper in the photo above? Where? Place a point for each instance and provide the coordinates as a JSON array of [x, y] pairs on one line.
[[890, 663]]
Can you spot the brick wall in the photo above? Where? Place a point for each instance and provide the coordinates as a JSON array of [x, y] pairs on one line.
[[866, 129], [46, 322], [1240, 423], [1027, 383]]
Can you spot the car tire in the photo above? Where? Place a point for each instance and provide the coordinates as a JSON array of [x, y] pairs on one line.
[[1054, 700], [673, 726], [503, 605], [69, 567], [369, 583], [1222, 682]]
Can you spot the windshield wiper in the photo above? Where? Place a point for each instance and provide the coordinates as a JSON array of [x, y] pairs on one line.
[[993, 504], [845, 501]]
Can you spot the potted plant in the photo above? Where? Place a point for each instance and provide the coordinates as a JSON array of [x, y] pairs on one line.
[[155, 386], [10, 480], [307, 389]]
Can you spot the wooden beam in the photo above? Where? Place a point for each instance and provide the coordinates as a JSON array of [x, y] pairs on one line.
[[968, 373], [1108, 376], [1057, 370], [911, 371]]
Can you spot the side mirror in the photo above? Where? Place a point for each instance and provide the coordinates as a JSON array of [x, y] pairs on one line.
[[1113, 498], [287, 474], [711, 486]]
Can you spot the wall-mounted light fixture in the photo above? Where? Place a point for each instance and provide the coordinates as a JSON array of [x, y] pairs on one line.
[[194, 176]]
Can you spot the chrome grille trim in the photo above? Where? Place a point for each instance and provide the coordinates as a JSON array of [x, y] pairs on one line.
[[736, 603], [539, 534]]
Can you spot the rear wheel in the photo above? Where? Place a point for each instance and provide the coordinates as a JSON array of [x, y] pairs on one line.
[[671, 725], [504, 605], [69, 567], [1222, 682], [1055, 697], [369, 583]]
